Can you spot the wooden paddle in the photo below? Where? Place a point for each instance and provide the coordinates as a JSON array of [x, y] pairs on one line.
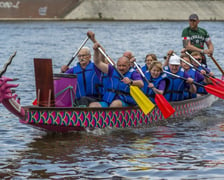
[[76, 53], [210, 89], [164, 106], [140, 98], [219, 67], [214, 80]]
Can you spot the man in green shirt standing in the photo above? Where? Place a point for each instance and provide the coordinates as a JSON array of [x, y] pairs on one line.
[[194, 38]]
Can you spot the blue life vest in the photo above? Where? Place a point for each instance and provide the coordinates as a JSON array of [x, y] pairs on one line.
[[116, 89], [188, 95], [144, 68], [200, 89], [107, 83], [175, 91], [87, 81], [148, 91]]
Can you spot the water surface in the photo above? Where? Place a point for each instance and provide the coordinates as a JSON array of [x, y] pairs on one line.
[[189, 149]]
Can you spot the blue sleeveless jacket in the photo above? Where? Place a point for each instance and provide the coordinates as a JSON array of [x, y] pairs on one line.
[[148, 91], [116, 89], [144, 68], [187, 95], [106, 83], [175, 91], [200, 89], [87, 81]]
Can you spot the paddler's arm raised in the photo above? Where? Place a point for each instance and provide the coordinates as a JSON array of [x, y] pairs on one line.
[[99, 59]]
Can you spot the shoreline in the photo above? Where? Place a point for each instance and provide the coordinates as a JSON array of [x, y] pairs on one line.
[[93, 20]]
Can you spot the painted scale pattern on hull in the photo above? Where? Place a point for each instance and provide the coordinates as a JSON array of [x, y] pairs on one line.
[[101, 118]]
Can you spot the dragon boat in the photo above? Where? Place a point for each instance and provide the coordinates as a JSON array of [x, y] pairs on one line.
[[54, 111]]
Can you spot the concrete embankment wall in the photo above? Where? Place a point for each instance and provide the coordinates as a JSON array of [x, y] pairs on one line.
[[147, 10]]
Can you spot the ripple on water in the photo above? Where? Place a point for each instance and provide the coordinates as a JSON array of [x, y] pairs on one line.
[[189, 149]]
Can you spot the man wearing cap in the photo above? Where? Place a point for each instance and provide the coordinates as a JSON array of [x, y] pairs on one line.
[[177, 86], [194, 38]]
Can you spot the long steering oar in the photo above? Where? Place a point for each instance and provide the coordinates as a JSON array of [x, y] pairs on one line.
[[219, 67], [214, 80], [141, 99], [216, 84], [76, 53], [164, 106], [210, 89]]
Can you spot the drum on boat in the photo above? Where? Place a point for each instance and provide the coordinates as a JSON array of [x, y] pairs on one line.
[[64, 89]]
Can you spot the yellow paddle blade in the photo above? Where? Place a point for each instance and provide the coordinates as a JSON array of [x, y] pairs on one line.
[[141, 99]]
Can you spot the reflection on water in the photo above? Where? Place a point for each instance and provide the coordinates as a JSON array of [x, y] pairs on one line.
[[184, 149], [154, 152]]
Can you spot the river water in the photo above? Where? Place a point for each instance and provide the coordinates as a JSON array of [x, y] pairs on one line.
[[189, 149]]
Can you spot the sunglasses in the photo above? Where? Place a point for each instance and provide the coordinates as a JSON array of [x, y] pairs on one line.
[[198, 59]]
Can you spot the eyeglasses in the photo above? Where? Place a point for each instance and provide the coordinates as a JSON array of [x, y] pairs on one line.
[[198, 59], [82, 55]]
